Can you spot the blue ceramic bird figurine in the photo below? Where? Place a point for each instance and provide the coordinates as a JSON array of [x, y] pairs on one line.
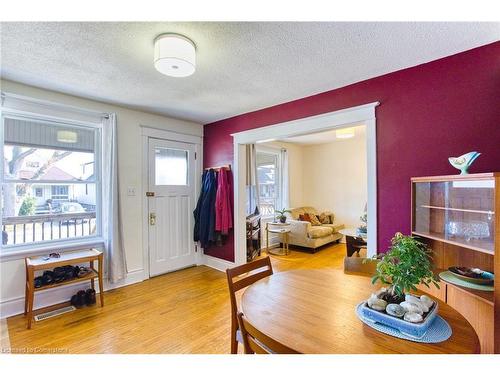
[[463, 162]]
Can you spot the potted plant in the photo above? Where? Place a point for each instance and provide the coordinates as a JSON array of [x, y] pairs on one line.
[[281, 215], [362, 229], [405, 266]]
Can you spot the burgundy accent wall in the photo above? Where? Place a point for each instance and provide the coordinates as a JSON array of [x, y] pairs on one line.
[[427, 113]]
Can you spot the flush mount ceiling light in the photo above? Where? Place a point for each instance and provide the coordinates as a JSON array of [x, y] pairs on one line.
[[175, 55], [66, 136], [344, 133], [266, 140]]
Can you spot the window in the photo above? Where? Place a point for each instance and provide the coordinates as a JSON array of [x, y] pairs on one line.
[[270, 179], [171, 166], [50, 181], [60, 192]]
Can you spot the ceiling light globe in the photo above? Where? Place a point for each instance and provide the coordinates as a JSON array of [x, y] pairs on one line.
[[175, 55]]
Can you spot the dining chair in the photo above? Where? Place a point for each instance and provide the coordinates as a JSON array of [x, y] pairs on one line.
[[237, 280], [362, 266], [256, 342]]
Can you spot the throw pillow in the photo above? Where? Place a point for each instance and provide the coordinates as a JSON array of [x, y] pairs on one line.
[[324, 218], [304, 217], [314, 220]]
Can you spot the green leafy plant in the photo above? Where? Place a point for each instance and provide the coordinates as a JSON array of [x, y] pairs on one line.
[[406, 265], [281, 214], [28, 206]]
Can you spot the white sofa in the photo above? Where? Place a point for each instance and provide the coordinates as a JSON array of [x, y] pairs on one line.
[[303, 233]]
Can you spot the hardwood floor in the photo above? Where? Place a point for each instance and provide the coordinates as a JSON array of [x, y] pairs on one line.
[[187, 311]]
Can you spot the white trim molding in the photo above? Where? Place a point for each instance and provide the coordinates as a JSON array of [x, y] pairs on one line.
[[49, 297], [362, 115], [217, 263]]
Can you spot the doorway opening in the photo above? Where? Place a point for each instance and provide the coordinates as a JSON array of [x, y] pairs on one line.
[[276, 171]]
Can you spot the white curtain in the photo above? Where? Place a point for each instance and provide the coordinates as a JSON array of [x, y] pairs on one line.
[[285, 179], [252, 179], [116, 266]]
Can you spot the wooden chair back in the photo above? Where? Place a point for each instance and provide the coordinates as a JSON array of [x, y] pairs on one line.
[[256, 342], [361, 266], [241, 282]]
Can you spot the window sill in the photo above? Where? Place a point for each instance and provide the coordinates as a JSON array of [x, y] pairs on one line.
[[8, 255]]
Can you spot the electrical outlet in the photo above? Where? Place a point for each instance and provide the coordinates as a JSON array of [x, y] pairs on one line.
[[131, 191]]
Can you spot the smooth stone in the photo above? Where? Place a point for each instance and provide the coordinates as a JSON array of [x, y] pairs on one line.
[[381, 292], [413, 317], [416, 301], [427, 301], [376, 303], [395, 310], [379, 305], [411, 307]]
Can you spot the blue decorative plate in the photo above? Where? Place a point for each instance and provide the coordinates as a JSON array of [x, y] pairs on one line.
[[439, 330]]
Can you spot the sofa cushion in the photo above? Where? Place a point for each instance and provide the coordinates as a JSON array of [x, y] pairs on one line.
[[319, 231], [335, 227]]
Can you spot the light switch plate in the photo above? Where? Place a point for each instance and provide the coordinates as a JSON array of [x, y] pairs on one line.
[[131, 191]]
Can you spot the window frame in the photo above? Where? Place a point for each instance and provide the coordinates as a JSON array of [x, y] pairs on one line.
[[280, 172], [18, 251]]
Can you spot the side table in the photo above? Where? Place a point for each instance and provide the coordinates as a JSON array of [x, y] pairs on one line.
[[282, 229]]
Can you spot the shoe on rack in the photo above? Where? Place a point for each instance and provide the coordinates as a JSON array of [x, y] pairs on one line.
[[90, 297], [75, 271], [59, 273], [38, 282], [78, 300], [47, 278], [68, 273], [84, 271]]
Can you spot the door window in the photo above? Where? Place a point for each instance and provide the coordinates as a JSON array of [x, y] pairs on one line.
[[171, 166]]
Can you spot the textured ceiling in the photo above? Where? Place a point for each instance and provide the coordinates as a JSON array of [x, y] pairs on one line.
[[241, 66]]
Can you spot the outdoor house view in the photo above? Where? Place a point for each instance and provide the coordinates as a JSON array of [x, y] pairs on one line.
[[49, 189]]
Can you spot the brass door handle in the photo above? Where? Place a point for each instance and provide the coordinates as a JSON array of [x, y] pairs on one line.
[[152, 218]]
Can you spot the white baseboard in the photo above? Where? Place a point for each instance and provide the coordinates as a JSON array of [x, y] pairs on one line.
[[217, 263], [15, 306]]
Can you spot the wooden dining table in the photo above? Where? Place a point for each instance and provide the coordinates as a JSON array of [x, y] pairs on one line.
[[313, 311]]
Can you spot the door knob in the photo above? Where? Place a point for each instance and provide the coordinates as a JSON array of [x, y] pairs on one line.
[[152, 218]]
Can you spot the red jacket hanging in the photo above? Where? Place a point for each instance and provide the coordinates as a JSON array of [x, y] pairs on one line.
[[223, 205]]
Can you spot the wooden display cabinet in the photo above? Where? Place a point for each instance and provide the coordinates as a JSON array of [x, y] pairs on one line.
[[458, 216]]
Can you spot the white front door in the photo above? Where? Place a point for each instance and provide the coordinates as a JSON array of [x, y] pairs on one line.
[[171, 180]]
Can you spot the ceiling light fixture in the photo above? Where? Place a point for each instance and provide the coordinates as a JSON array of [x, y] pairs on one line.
[[67, 136], [344, 133], [175, 55], [266, 140]]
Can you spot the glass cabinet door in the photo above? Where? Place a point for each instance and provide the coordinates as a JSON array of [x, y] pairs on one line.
[[460, 212]]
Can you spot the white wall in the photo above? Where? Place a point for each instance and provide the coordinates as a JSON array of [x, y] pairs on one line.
[[130, 171], [335, 178]]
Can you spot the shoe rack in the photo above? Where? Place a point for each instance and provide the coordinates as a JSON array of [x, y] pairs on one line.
[[41, 263]]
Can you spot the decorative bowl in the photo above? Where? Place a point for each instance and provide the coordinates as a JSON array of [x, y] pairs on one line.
[[416, 330], [482, 278]]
